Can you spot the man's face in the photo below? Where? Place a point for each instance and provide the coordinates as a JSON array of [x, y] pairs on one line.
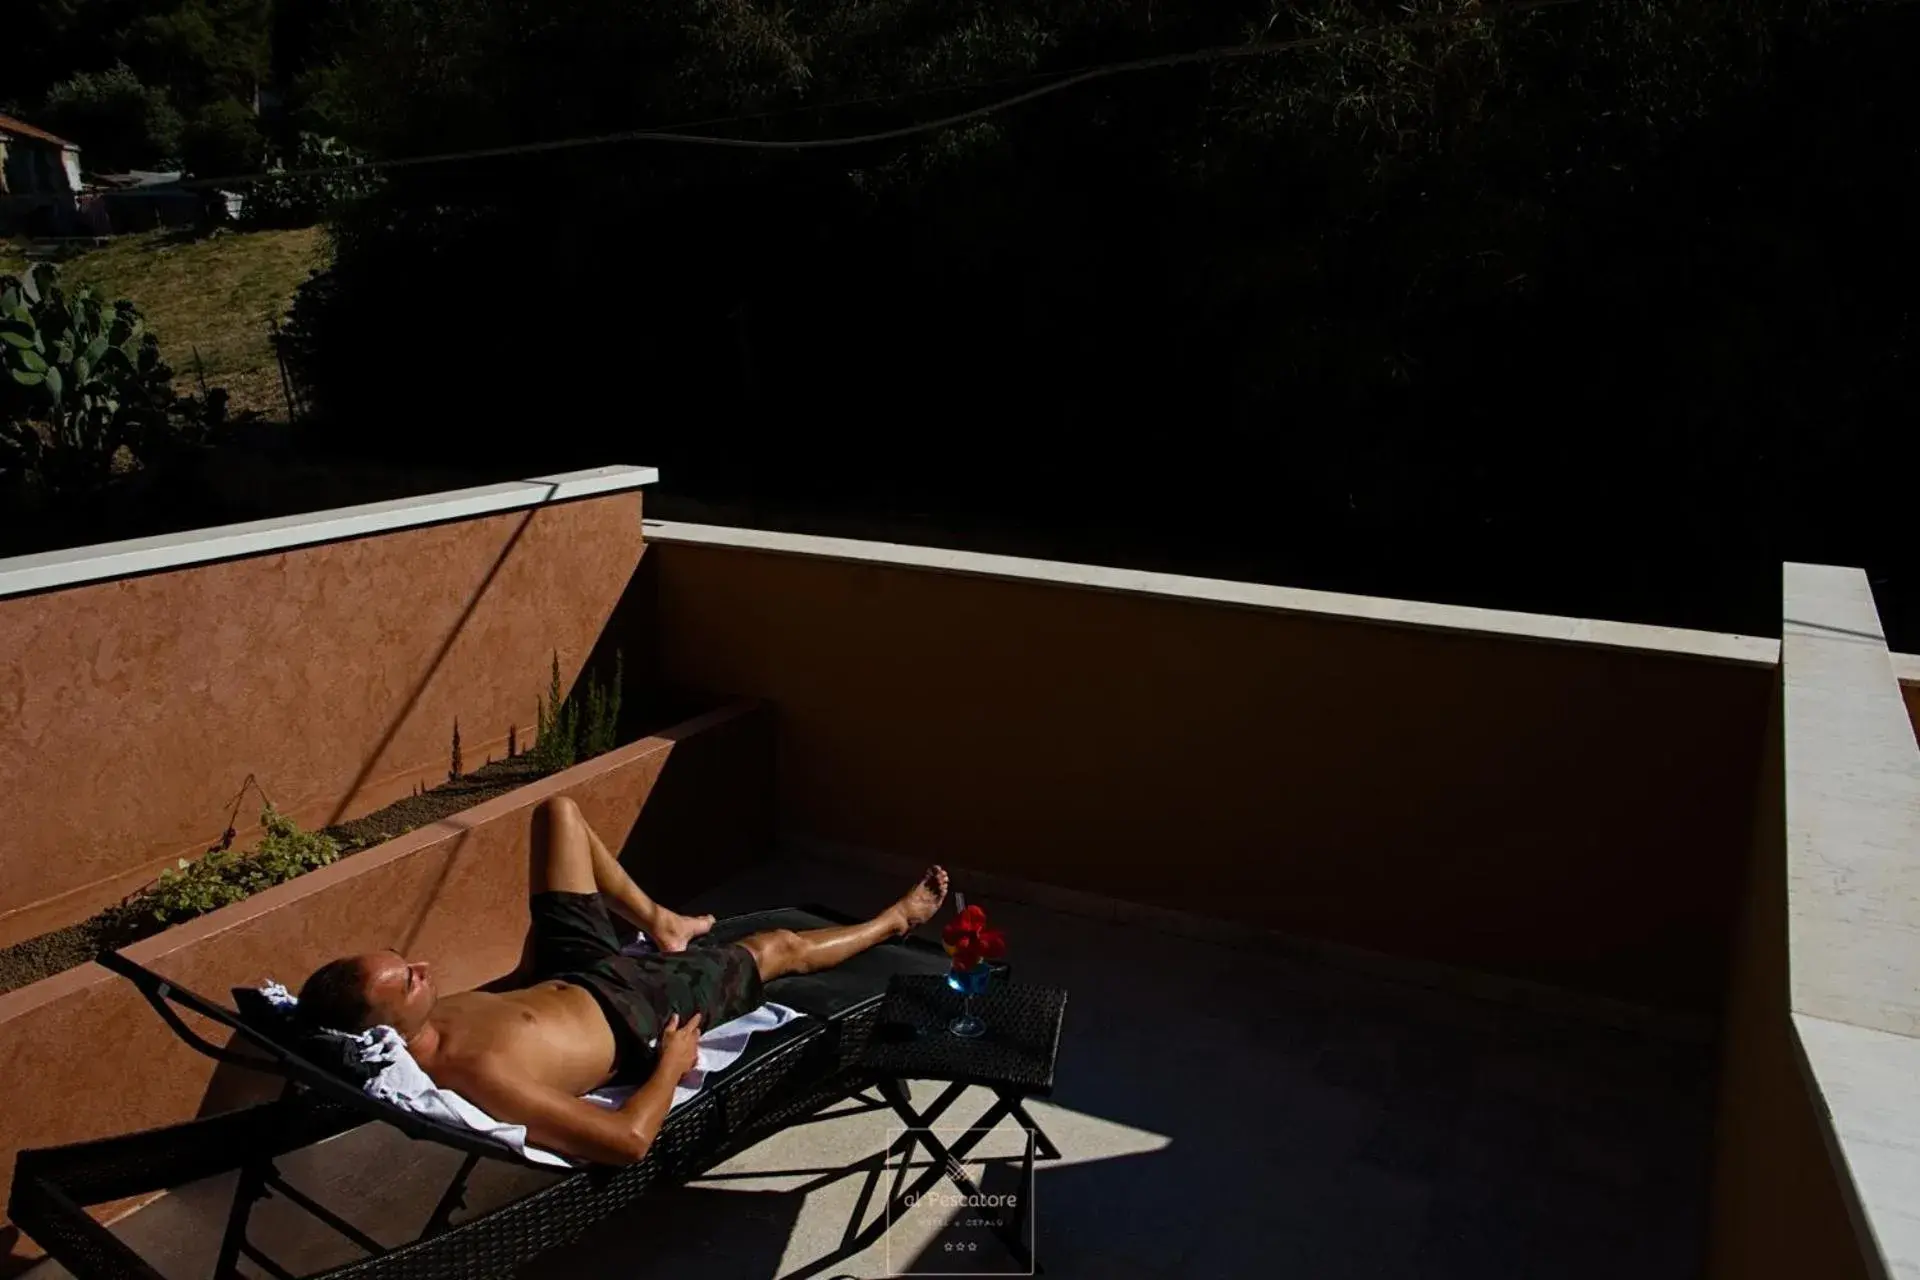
[[401, 992]]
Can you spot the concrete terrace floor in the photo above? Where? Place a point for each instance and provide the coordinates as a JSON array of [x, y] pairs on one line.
[[1229, 1112]]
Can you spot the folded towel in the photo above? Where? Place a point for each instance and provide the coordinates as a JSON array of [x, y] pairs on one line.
[[394, 1076]]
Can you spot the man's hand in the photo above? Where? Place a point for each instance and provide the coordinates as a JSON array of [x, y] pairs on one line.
[[679, 1047], [674, 1056], [560, 1122]]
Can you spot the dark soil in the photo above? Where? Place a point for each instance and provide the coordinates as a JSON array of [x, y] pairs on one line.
[[448, 798], [50, 953]]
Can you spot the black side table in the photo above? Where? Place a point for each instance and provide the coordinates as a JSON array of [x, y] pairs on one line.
[[1014, 1058]]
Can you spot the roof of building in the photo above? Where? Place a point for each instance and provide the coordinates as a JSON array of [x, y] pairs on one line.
[[21, 129]]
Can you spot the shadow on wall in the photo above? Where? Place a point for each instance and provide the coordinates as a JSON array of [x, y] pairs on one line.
[[712, 811], [687, 837], [627, 640], [379, 752]]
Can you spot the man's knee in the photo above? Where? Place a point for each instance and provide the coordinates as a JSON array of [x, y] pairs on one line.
[[774, 951], [562, 857], [560, 811]]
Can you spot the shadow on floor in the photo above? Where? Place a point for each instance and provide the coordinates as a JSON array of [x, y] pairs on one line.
[[685, 1231]]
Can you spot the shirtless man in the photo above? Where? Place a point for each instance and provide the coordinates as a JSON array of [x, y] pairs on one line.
[[589, 1016]]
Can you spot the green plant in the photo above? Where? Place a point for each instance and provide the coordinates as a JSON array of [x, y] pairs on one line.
[[558, 725], [83, 389], [223, 876], [578, 727], [89, 375], [599, 726]]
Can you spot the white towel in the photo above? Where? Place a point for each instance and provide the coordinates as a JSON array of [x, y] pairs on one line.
[[402, 1083]]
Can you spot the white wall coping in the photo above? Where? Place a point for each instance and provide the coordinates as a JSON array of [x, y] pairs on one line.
[[1906, 667], [72, 567], [1750, 650], [1853, 808], [1852, 776], [1865, 1078]]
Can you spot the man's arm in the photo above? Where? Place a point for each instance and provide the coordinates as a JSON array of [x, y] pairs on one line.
[[558, 1121]]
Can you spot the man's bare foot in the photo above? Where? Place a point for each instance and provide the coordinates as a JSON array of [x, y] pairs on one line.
[[672, 931], [923, 900]]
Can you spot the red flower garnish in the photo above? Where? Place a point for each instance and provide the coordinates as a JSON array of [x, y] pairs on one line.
[[969, 939]]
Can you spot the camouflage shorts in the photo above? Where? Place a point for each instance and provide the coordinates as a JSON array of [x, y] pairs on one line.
[[574, 941]]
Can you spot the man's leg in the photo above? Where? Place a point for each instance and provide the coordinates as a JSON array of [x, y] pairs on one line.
[[778, 952], [568, 856]]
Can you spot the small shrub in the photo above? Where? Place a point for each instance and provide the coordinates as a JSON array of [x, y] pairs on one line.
[[580, 727], [453, 773], [601, 723], [286, 200], [223, 876], [554, 748]]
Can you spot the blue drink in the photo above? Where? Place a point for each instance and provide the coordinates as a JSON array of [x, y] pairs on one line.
[[969, 983]]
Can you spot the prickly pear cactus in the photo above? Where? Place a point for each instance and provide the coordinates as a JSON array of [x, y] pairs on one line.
[[80, 378]]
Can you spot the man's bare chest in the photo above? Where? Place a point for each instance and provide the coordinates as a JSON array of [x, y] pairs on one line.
[[554, 1032]]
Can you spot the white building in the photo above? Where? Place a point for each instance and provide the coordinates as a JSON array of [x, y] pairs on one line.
[[39, 176]]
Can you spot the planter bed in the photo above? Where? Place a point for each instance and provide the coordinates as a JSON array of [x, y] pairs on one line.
[[33, 959]]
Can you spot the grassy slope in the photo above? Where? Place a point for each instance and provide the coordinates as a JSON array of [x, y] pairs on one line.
[[212, 294]]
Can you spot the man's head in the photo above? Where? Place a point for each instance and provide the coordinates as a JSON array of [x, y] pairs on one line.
[[357, 992]]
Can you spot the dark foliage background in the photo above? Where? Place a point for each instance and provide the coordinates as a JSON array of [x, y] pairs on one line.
[[1601, 309], [143, 83]]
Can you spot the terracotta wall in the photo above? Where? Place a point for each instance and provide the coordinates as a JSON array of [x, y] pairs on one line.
[[1564, 813], [1779, 1211], [83, 1056], [131, 711]]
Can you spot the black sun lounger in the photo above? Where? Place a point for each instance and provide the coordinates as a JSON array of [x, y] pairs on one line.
[[784, 1076]]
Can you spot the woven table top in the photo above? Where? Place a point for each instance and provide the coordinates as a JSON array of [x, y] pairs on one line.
[[910, 1039]]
